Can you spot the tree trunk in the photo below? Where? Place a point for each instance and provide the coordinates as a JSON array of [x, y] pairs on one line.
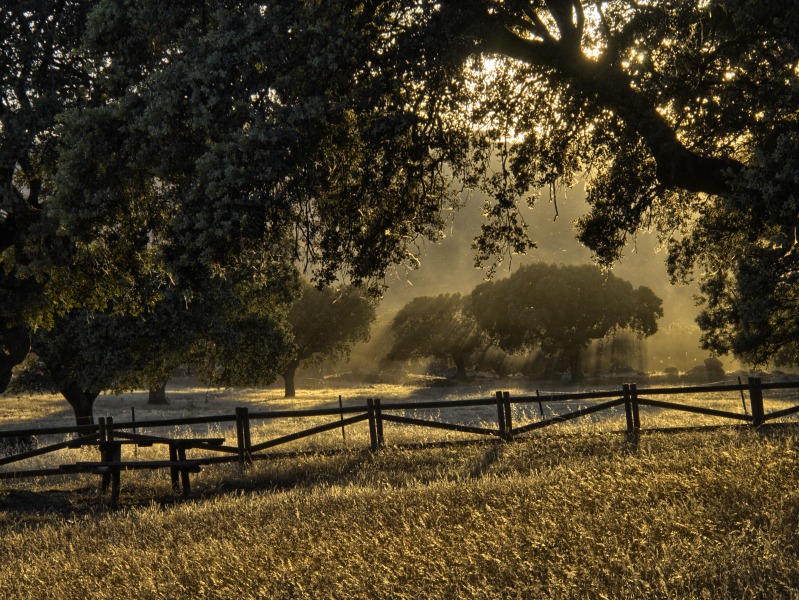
[[288, 379], [82, 402], [157, 395], [569, 360], [642, 363], [598, 355], [614, 362], [551, 364], [460, 365], [15, 343]]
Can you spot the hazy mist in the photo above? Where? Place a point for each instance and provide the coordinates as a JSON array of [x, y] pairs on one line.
[[448, 266]]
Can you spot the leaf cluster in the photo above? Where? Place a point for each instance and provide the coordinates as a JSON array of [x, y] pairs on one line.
[[556, 309]]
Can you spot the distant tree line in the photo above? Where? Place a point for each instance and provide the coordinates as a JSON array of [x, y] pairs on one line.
[[554, 310]]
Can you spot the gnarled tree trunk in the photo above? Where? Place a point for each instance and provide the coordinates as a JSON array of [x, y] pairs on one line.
[[81, 401], [576, 364], [288, 379], [157, 395], [15, 343], [460, 365]]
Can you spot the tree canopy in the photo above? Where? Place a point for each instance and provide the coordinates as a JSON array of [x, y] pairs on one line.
[[144, 142], [440, 326], [559, 310], [231, 335], [324, 325], [680, 115]]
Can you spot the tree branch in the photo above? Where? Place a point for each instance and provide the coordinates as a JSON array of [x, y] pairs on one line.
[[538, 24], [606, 84], [564, 12]]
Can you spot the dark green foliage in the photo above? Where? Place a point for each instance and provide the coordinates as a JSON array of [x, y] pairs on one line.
[[559, 310], [234, 334], [148, 144], [441, 327], [83, 354]]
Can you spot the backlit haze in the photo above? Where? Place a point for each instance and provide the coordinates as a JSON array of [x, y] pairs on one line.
[[448, 266]]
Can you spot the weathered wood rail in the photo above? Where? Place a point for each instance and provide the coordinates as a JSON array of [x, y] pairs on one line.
[[110, 437]]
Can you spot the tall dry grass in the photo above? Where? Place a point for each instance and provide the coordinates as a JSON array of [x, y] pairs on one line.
[[712, 514], [570, 512]]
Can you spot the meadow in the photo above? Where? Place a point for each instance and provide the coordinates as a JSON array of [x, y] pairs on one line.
[[574, 511]]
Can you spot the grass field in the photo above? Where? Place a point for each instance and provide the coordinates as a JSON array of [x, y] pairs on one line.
[[572, 512]]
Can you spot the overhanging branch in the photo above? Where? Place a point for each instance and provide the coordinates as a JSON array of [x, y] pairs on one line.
[[606, 84]]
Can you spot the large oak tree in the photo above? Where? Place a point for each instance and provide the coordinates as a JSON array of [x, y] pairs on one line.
[[232, 335], [346, 129], [680, 115]]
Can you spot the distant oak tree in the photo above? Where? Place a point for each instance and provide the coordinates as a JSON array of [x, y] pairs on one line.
[[324, 325], [560, 309], [435, 326]]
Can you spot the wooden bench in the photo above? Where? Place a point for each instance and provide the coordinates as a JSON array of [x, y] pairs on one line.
[[110, 470], [111, 464], [177, 453]]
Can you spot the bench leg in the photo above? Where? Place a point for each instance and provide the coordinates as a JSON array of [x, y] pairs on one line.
[[184, 475]]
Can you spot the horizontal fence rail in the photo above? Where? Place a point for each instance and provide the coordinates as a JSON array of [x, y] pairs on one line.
[[109, 436]]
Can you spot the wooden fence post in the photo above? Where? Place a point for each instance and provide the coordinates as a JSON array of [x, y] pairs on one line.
[[109, 435], [101, 432], [243, 435], [114, 453], [501, 416], [104, 452], [743, 398], [756, 400], [341, 408], [634, 404], [133, 420], [370, 411], [540, 406], [628, 409], [379, 424], [631, 412], [508, 418]]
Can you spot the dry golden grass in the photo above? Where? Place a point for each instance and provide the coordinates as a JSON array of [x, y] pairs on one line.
[[571, 512]]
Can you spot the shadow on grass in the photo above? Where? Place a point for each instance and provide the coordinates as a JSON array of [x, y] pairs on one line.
[[396, 466]]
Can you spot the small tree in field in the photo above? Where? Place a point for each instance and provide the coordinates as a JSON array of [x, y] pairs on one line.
[[86, 353], [561, 309], [440, 326], [325, 323]]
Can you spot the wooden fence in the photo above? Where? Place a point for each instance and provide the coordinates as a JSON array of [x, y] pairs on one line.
[[109, 436]]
